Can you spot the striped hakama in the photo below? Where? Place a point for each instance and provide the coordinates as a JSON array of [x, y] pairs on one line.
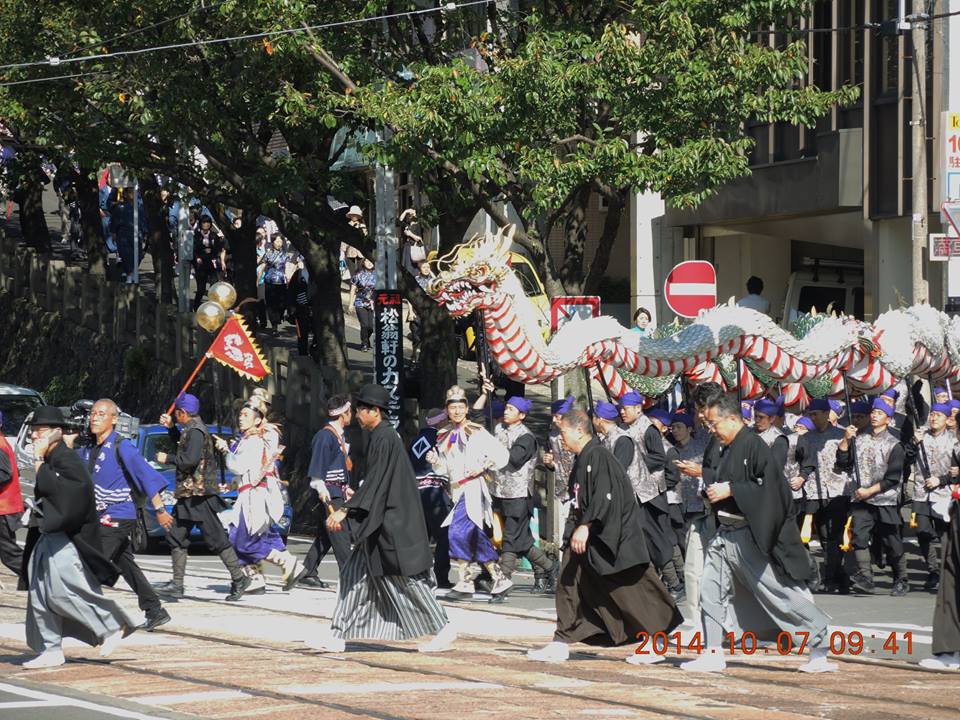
[[65, 599], [741, 590], [388, 607]]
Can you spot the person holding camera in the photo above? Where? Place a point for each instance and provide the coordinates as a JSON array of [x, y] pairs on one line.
[[121, 474], [64, 564], [198, 498]]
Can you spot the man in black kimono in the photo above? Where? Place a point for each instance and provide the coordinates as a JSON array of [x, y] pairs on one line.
[[755, 567], [608, 591], [386, 586], [63, 562], [946, 612]]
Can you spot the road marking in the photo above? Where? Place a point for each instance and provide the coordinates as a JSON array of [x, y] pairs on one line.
[[190, 697], [385, 687], [51, 700]]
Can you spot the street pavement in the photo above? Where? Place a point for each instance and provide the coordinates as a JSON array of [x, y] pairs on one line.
[[233, 660]]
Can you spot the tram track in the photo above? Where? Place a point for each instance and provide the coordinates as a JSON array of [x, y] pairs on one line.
[[570, 672]]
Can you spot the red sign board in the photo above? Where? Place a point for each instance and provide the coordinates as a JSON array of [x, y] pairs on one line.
[[691, 287], [565, 308]]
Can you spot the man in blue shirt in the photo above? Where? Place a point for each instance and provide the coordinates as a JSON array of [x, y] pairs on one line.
[[119, 473], [329, 473]]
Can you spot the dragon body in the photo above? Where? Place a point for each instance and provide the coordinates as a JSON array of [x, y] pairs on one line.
[[870, 358]]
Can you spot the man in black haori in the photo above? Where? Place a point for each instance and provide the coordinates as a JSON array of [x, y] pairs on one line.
[[387, 585], [608, 591], [755, 567]]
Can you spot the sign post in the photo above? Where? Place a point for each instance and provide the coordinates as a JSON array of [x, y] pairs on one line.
[[691, 287], [388, 350]]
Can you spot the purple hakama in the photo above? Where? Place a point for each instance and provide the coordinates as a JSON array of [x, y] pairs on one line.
[[467, 541]]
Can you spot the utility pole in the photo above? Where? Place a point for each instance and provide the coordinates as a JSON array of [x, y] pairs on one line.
[[385, 191], [918, 39]]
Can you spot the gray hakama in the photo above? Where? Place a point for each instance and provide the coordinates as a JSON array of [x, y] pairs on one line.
[[385, 607], [65, 599], [741, 590]]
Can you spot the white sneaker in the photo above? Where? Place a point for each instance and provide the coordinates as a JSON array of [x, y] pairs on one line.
[[943, 661], [441, 642], [110, 643], [327, 643], [711, 661], [48, 658], [819, 662], [501, 586], [555, 652], [645, 659]]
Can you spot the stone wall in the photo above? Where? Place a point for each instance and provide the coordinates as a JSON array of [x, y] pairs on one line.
[[74, 335]]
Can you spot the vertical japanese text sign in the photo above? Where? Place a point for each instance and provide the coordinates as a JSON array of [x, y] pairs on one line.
[[388, 368]]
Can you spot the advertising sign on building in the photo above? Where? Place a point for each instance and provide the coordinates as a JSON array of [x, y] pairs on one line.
[[388, 365]]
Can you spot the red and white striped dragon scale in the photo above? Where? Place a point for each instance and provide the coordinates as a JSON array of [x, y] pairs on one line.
[[916, 341]]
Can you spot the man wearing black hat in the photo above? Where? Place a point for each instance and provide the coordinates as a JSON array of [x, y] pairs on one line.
[[512, 492], [198, 498], [386, 586], [64, 563], [874, 507], [329, 472]]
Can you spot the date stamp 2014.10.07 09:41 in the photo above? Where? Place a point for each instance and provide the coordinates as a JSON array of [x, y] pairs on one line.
[[841, 643]]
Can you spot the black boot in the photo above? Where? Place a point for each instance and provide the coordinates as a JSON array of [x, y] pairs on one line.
[[173, 589], [933, 581], [241, 581], [862, 580]]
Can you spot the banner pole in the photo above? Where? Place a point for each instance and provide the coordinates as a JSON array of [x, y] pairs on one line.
[[189, 381]]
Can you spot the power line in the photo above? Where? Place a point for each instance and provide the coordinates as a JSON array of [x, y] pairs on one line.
[[55, 61], [55, 77]]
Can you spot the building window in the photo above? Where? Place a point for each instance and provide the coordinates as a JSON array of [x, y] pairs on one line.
[[851, 42], [889, 51]]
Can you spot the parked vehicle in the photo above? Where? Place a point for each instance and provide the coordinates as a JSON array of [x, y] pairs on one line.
[[16, 403], [152, 439], [837, 286]]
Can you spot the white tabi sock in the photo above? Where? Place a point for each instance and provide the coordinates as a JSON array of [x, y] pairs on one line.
[[48, 658], [712, 660], [943, 661], [819, 662], [552, 652]]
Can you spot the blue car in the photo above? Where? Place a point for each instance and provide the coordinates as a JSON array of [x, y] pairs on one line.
[[152, 439]]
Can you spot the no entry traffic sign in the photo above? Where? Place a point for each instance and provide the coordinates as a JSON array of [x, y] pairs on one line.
[[691, 287]]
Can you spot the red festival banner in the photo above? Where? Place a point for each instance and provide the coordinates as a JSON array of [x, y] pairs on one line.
[[235, 348]]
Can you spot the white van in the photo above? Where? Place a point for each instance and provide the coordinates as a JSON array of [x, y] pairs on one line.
[[806, 289]]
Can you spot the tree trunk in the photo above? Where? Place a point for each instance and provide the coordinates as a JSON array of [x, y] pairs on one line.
[[159, 240], [243, 253], [575, 229], [33, 224], [437, 358], [608, 236], [322, 258], [88, 195]]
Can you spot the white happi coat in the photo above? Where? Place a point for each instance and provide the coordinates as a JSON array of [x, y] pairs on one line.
[[250, 462], [464, 451]]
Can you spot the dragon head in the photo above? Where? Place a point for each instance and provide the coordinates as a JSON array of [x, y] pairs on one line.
[[471, 270]]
